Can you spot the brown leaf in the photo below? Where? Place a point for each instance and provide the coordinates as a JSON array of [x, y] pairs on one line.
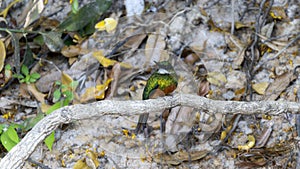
[[203, 88], [38, 95], [115, 75], [135, 41], [278, 86], [71, 51]]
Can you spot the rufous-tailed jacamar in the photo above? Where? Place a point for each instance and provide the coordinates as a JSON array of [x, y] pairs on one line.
[[162, 82]]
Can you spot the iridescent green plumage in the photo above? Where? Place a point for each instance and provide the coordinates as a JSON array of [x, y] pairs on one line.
[[164, 79], [165, 82]]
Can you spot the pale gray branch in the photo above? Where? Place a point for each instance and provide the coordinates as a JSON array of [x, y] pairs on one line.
[[17, 156]]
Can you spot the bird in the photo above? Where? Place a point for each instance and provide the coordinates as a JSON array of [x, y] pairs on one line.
[[162, 82]]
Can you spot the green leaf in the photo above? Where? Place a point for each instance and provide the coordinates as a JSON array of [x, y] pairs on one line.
[[12, 134], [58, 83], [50, 140], [31, 80], [7, 67], [9, 138], [54, 107], [27, 78], [18, 76], [74, 84], [53, 41], [85, 15], [75, 6], [1, 128], [15, 126], [69, 95], [35, 75], [7, 142], [56, 95], [64, 87], [39, 40], [66, 102], [30, 122], [24, 70]]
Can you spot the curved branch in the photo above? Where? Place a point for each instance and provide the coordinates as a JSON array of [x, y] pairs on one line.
[[17, 156]]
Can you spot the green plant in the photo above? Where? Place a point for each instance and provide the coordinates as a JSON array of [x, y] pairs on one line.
[[63, 95], [64, 92], [8, 136], [25, 77]]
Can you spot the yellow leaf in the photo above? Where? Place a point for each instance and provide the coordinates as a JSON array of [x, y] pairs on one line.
[[97, 92], [80, 164], [6, 115], [103, 60], [89, 94], [260, 88], [100, 25], [45, 107], [102, 154], [93, 156], [216, 78], [108, 24], [66, 80], [5, 11], [100, 89], [249, 145], [2, 55]]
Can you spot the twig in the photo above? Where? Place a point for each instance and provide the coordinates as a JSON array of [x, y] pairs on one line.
[[16, 156], [232, 17]]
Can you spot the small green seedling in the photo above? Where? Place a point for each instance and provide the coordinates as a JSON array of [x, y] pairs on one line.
[[25, 77]]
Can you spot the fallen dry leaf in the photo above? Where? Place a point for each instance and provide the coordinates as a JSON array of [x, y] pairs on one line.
[[97, 92], [216, 78], [71, 51], [103, 60], [260, 88], [108, 24], [38, 95], [278, 86], [66, 80], [81, 164]]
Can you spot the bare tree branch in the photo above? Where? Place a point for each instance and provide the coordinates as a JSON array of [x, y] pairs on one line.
[[17, 156]]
